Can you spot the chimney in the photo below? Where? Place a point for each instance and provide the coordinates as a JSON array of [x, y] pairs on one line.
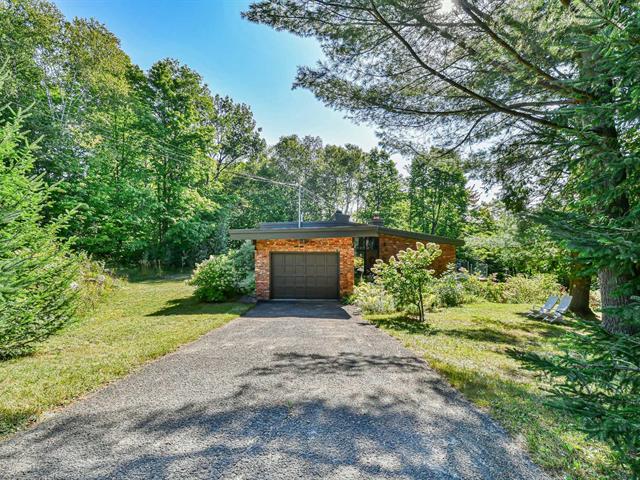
[[340, 217], [376, 220]]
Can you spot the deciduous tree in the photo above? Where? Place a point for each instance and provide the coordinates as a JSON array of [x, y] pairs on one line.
[[438, 198]]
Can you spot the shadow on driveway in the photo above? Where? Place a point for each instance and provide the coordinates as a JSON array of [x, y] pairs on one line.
[[305, 309], [380, 438], [344, 362]]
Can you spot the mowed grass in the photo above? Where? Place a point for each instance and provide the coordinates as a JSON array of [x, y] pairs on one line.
[[138, 322], [470, 346]]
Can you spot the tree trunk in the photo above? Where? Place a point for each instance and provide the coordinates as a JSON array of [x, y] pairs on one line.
[[609, 283], [579, 289]]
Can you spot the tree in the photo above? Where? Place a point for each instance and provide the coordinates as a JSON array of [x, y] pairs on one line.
[[438, 197], [37, 269], [177, 104], [236, 136], [509, 244], [257, 200], [544, 88], [300, 161], [408, 276], [380, 189], [598, 378], [341, 168]]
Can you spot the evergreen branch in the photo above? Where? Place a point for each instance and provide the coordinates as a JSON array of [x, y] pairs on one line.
[[496, 105]]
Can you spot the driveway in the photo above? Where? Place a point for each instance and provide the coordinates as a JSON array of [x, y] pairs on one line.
[[289, 391]]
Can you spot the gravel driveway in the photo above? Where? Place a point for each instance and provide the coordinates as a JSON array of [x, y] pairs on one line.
[[289, 391]]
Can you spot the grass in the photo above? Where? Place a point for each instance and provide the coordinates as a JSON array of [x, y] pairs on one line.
[[138, 322], [470, 346]]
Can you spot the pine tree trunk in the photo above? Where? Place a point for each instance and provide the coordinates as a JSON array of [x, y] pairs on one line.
[[579, 289], [609, 283]]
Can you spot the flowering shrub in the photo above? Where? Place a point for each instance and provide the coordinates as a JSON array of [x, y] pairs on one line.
[[221, 277], [215, 278], [372, 298], [408, 277]]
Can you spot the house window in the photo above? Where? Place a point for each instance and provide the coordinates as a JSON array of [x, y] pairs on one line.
[[367, 248]]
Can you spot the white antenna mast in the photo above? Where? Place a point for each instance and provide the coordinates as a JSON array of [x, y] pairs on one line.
[[294, 185], [299, 205]]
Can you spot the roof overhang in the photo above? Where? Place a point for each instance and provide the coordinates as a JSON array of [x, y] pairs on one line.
[[333, 232]]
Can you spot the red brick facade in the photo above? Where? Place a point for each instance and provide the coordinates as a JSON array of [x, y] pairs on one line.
[[390, 245], [343, 246]]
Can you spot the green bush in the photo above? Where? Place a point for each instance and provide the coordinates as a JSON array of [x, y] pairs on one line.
[[244, 261], [515, 289], [477, 288], [449, 289], [37, 269], [372, 298], [221, 277], [215, 278], [534, 289]]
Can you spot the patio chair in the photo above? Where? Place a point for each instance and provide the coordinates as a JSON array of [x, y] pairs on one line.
[[561, 309], [540, 312]]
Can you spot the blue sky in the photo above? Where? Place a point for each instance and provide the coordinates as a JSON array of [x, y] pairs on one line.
[[251, 63]]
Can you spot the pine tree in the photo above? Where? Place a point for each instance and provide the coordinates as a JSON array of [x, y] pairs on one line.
[[37, 270]]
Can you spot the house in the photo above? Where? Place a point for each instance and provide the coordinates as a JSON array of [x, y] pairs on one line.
[[315, 260]]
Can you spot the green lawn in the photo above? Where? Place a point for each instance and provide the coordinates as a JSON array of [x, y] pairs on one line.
[[138, 322], [469, 346]]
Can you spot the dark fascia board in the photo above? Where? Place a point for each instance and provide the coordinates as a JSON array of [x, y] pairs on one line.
[[303, 233], [421, 236], [363, 230]]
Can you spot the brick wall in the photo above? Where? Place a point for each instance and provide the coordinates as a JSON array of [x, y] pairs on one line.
[[344, 246], [390, 245]]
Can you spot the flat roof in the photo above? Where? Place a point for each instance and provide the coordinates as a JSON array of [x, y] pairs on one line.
[[309, 230]]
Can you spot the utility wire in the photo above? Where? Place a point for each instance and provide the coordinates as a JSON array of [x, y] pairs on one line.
[[167, 148]]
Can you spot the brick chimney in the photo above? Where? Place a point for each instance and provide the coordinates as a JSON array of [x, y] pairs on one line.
[[376, 220]]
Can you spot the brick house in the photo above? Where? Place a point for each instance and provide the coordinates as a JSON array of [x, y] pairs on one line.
[[315, 260]]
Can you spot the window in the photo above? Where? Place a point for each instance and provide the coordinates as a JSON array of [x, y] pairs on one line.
[[368, 249]]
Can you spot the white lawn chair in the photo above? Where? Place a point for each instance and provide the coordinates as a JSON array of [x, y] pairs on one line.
[[560, 310], [540, 312]]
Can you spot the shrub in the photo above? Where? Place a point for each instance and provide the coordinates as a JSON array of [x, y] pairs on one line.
[[408, 277], [478, 288], [521, 289], [516, 289], [37, 269], [244, 262], [215, 278], [372, 298], [93, 283], [449, 289], [221, 277]]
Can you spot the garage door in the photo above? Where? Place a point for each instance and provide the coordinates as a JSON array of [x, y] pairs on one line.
[[304, 275]]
